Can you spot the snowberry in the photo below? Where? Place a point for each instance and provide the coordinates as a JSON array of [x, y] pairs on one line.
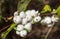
[[38, 14], [37, 19], [16, 13], [34, 13], [31, 13], [17, 32], [54, 18], [24, 21], [28, 12], [22, 14], [19, 27], [17, 19], [29, 18], [23, 33], [28, 26], [42, 21], [47, 20]]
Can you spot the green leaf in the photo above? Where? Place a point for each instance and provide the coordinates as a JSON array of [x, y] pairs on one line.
[[46, 9], [22, 5], [4, 34], [58, 11]]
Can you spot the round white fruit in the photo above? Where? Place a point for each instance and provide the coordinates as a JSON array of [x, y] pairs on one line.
[[24, 21], [54, 18], [17, 19], [22, 14], [29, 18], [19, 27], [28, 26], [37, 19], [16, 13], [47, 20], [17, 32], [34, 13], [23, 33], [28, 12]]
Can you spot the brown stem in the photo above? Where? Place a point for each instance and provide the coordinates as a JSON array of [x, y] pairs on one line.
[[45, 14], [48, 32], [4, 28]]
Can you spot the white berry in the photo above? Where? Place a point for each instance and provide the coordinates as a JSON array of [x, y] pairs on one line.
[[33, 13], [28, 12], [24, 21], [42, 21], [22, 14], [37, 19], [23, 33], [54, 19], [28, 26], [29, 18], [16, 13], [20, 27], [17, 32], [47, 20], [17, 19]]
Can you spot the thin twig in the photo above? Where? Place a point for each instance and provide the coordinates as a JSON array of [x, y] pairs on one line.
[[4, 28], [48, 32], [45, 14]]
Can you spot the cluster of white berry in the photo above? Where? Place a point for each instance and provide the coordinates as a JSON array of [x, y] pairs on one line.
[[50, 21], [26, 19]]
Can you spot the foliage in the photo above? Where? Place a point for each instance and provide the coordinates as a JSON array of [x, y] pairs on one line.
[[22, 5], [58, 11], [46, 8]]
